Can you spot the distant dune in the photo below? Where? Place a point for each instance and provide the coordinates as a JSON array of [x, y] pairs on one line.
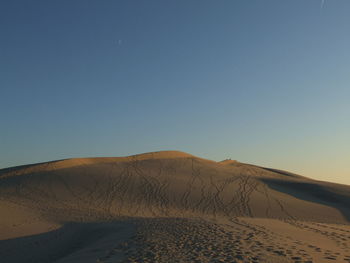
[[148, 207]]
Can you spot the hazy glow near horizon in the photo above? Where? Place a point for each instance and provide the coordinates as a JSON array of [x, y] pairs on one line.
[[265, 82]]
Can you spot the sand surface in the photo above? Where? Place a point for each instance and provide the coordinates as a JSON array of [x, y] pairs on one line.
[[169, 207]]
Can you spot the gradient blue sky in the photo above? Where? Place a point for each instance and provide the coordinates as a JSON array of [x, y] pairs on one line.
[[265, 82]]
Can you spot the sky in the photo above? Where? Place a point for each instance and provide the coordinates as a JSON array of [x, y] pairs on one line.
[[263, 82]]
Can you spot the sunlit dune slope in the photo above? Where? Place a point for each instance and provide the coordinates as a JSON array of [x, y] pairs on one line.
[[169, 184]]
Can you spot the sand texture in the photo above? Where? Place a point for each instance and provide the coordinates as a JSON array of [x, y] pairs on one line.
[[169, 207]]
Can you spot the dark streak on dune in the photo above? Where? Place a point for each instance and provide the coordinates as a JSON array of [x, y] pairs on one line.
[[316, 192], [281, 172]]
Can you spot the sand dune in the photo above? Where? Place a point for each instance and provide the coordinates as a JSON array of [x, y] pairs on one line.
[[169, 207]]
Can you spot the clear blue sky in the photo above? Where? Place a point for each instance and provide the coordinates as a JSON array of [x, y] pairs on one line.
[[265, 82]]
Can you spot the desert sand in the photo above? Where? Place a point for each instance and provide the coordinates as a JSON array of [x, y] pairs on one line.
[[169, 207]]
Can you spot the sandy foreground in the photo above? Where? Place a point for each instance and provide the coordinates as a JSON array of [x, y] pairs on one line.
[[169, 207]]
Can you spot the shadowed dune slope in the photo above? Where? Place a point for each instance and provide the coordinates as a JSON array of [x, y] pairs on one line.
[[169, 184]]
